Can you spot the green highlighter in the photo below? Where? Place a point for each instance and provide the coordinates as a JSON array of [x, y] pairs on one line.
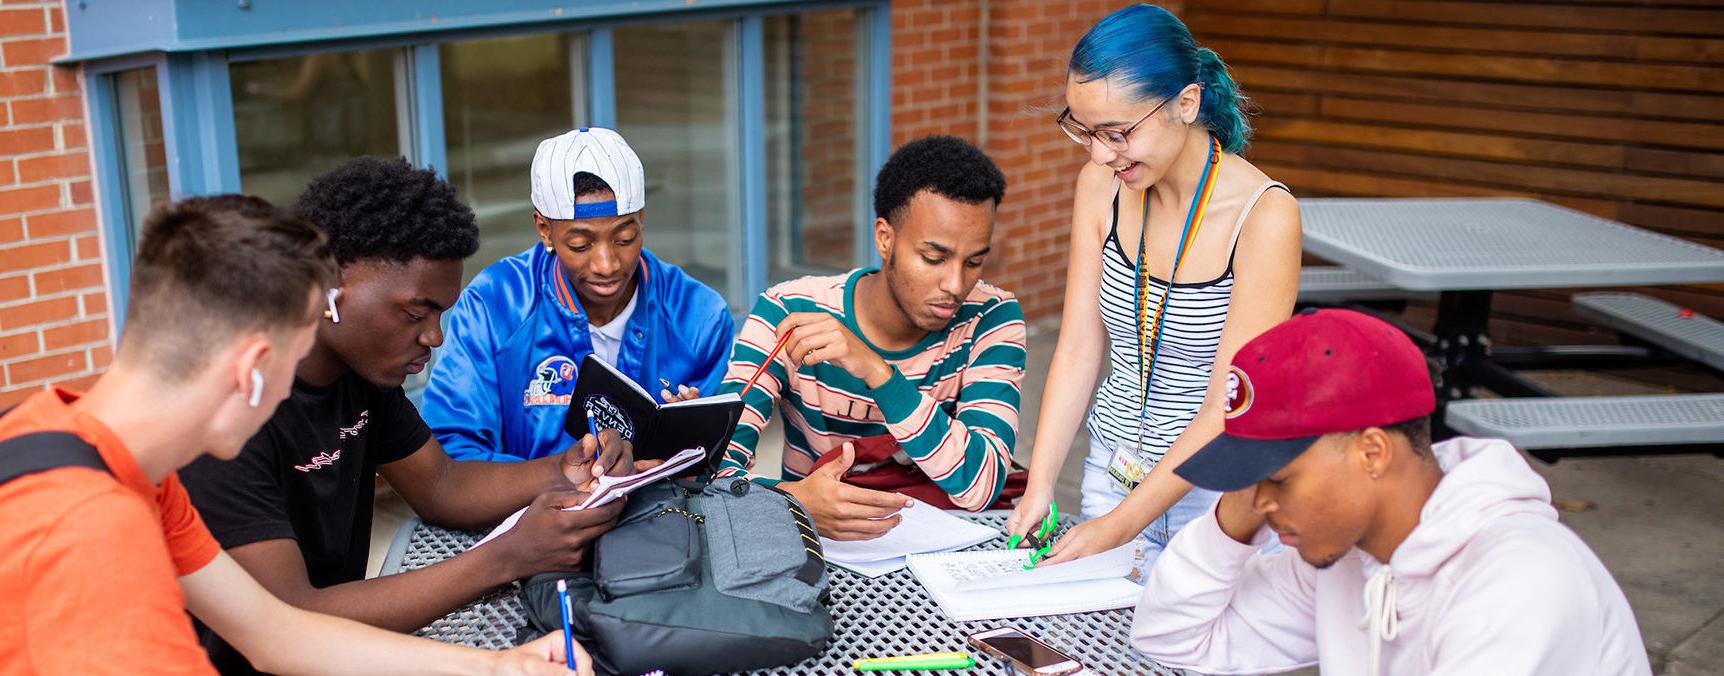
[[955, 660], [1041, 541]]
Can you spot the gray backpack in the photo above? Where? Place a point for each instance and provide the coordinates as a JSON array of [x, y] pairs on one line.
[[697, 579]]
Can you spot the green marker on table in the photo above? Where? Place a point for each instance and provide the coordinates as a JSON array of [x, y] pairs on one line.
[[953, 660]]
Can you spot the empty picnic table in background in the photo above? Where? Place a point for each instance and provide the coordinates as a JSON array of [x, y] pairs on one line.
[[1466, 249]]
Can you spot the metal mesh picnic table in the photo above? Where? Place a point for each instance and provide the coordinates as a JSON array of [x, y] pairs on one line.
[[887, 615], [1494, 243]]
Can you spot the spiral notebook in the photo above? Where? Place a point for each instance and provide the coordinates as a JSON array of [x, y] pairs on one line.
[[961, 583]]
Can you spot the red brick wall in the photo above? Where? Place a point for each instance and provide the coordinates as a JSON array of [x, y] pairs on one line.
[[937, 68], [54, 321], [54, 318]]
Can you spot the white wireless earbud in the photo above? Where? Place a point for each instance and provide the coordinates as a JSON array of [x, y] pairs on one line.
[[256, 388], [333, 314]]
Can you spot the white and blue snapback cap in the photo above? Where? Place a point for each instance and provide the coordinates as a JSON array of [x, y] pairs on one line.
[[597, 151]]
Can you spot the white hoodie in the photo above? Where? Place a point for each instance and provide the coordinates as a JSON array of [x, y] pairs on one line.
[[1488, 583]]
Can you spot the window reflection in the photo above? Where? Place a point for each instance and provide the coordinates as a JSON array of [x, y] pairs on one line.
[[500, 98], [297, 117], [143, 153], [811, 142], [675, 87]]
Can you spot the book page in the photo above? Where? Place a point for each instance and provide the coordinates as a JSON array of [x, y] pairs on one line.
[[630, 381], [945, 575], [924, 528], [610, 488], [969, 570], [704, 401], [1116, 562]]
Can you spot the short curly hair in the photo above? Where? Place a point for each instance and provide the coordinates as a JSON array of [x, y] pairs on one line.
[[380, 209], [945, 165]]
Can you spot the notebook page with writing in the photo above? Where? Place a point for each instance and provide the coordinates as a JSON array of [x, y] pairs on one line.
[[942, 573], [1116, 562]]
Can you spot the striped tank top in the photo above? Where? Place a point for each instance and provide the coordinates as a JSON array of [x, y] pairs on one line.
[[1190, 335]]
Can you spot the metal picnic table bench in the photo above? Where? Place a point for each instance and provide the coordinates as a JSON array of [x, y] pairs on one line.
[[1465, 249], [873, 617]]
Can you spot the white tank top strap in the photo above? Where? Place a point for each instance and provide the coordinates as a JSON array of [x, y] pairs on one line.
[[1249, 205]]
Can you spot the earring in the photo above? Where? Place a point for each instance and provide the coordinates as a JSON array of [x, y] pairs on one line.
[[332, 314], [256, 388]]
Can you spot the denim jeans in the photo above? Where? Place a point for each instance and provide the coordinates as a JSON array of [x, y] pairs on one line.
[[1101, 494]]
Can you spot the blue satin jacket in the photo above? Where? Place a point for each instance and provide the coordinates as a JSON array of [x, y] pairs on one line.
[[501, 384]]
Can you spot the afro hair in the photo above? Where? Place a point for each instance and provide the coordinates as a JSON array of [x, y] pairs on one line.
[[944, 165], [377, 209]]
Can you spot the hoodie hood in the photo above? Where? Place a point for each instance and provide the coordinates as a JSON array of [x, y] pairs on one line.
[[1483, 479]]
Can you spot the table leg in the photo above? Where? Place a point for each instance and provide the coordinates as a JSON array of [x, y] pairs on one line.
[[1463, 336]]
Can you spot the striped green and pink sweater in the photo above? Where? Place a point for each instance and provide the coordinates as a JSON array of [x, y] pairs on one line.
[[952, 401]]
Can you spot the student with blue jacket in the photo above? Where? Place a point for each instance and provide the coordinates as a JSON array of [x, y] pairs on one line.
[[519, 333]]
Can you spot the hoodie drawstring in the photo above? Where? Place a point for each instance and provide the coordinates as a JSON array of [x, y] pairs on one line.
[[1379, 620]]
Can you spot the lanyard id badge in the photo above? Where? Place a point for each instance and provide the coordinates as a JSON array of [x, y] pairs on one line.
[[1130, 464]]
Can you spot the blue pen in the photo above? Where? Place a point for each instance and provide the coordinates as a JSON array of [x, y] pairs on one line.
[[568, 616], [594, 430]]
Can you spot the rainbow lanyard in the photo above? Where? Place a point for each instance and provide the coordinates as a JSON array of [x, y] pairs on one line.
[[1149, 332]]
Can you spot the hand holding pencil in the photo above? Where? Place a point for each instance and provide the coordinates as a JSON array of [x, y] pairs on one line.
[[810, 338]]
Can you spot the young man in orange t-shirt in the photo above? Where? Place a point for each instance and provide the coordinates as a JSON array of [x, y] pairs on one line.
[[224, 295]]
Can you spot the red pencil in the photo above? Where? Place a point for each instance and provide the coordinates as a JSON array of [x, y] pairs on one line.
[[768, 362]]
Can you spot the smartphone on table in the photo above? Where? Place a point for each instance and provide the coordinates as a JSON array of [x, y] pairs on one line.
[[1025, 652]]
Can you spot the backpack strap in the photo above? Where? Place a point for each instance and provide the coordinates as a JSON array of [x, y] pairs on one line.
[[814, 563], [42, 451]]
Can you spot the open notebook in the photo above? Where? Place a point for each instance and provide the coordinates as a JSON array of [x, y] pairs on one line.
[[924, 528], [992, 584], [611, 488]]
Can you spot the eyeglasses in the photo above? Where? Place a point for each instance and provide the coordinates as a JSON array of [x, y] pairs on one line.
[[1115, 139]]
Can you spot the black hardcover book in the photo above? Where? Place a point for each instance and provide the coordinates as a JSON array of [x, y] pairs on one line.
[[612, 401]]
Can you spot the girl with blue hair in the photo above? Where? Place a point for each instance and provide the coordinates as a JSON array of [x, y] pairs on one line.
[[1181, 251]]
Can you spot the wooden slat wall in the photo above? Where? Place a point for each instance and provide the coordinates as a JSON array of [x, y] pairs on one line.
[[1613, 108]]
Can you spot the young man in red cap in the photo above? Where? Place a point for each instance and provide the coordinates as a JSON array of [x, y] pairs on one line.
[[1403, 557]]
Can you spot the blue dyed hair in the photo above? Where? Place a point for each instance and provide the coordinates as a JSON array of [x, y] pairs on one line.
[[1152, 53]]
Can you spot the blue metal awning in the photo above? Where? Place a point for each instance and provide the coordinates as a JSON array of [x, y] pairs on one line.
[[101, 29]]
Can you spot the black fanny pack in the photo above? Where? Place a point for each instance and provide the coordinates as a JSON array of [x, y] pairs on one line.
[[697, 579]]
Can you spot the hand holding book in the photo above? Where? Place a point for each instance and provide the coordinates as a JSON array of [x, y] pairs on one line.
[[607, 489], [605, 399], [594, 456]]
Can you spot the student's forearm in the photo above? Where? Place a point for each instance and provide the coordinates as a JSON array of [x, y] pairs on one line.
[[476, 495], [966, 455], [254, 621], [407, 601], [1212, 604], [344, 646], [1061, 414]]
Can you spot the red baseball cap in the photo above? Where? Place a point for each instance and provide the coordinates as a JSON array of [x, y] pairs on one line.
[[1318, 373]]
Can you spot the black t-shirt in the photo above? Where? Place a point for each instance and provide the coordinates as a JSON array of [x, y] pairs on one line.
[[309, 475]]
